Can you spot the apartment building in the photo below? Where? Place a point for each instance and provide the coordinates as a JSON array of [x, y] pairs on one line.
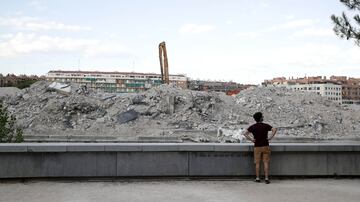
[[115, 82], [330, 91], [304, 80], [275, 81], [350, 89]]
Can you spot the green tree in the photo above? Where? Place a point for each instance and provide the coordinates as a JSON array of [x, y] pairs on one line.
[[344, 27], [25, 84], [8, 132]]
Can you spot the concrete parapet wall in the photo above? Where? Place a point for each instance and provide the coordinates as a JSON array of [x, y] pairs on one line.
[[173, 159]]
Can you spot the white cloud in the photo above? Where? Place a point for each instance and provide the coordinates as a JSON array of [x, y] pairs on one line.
[[298, 23], [248, 35], [352, 56], [229, 22], [104, 49], [195, 28], [305, 24], [38, 5], [289, 17], [6, 36], [293, 24], [314, 32], [308, 55], [255, 65], [21, 44], [264, 4], [36, 24]]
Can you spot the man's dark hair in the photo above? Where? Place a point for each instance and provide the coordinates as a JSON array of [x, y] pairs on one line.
[[258, 116]]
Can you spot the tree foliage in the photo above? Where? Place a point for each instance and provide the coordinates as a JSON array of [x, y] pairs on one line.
[[20, 84], [344, 27], [8, 132], [25, 84]]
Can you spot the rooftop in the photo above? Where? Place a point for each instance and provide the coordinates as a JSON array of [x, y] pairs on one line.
[[101, 72]]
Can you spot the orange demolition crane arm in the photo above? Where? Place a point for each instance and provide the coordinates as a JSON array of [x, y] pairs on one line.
[[164, 66]]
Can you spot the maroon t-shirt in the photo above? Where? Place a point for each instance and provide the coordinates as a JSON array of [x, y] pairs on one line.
[[260, 132]]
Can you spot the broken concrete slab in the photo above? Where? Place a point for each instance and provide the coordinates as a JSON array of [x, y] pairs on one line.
[[60, 87], [127, 116]]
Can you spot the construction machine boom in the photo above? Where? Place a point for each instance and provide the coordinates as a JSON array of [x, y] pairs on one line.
[[164, 66]]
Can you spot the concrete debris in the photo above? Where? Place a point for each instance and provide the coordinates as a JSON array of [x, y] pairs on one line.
[[127, 116], [108, 97], [8, 92], [82, 90], [168, 111], [236, 135], [61, 88]]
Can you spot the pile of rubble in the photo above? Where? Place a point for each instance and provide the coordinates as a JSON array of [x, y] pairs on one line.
[[167, 111], [8, 92], [300, 114]]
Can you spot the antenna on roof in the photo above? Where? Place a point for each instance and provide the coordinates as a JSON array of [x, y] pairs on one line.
[[133, 65], [79, 63]]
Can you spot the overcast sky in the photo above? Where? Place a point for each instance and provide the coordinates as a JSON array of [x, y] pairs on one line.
[[245, 41]]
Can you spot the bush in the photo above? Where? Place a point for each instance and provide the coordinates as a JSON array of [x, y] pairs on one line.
[[8, 132]]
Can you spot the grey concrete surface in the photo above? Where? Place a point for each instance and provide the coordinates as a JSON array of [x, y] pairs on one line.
[[292, 190], [172, 159], [152, 164], [235, 147], [221, 163]]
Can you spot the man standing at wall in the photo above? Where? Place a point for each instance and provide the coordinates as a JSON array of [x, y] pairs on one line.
[[260, 138]]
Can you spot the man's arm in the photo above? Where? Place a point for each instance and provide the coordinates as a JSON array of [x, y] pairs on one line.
[[247, 135], [273, 132]]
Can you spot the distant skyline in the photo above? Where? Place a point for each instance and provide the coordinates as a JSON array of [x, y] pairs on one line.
[[240, 40]]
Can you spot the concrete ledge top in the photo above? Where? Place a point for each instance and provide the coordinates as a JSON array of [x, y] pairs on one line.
[[172, 147]]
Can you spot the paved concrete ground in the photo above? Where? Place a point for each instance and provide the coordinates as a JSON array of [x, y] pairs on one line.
[[182, 190]]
